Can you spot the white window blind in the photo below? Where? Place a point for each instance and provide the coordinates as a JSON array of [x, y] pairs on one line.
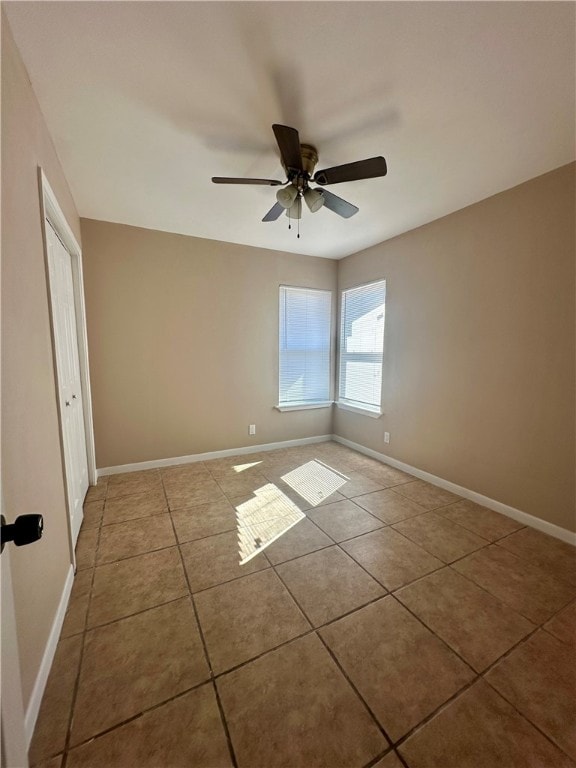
[[362, 346], [305, 317]]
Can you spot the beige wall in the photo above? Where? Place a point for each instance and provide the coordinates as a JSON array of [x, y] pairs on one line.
[[183, 339], [479, 381], [32, 479]]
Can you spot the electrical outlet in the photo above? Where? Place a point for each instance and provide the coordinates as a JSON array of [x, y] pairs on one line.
[[252, 429], [386, 437]]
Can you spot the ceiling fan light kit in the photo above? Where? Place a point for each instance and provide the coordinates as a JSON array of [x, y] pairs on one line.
[[286, 196], [299, 161], [295, 211], [314, 199]]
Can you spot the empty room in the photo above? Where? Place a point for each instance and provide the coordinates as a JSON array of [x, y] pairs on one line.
[[288, 384]]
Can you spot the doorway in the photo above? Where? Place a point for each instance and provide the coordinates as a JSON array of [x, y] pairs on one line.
[[68, 323]]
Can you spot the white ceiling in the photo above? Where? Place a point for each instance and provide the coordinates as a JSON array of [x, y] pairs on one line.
[[146, 101]]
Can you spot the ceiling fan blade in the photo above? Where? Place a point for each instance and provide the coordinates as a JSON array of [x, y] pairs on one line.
[[274, 212], [289, 146], [336, 204], [231, 180], [362, 169]]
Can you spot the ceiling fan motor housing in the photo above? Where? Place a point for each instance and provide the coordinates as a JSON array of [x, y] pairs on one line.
[[309, 156]]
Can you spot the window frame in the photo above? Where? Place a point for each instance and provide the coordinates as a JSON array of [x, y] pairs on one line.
[[341, 402], [286, 406]]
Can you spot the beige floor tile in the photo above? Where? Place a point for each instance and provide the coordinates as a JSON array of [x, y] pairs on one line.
[[135, 663], [481, 730], [204, 520], [523, 586], [358, 462], [241, 483], [481, 520], [401, 670], [476, 625], [129, 586], [303, 538], [439, 536], [277, 466], [185, 491], [427, 495], [92, 514], [216, 560], [86, 548], [358, 484], [328, 584], [193, 468], [55, 762], [391, 558], [134, 537], [557, 557], [133, 482], [246, 617], [343, 520], [387, 476], [235, 466], [390, 761], [333, 498], [563, 625], [186, 731], [539, 679], [97, 492], [277, 485], [82, 584], [388, 506], [293, 707], [135, 506], [52, 725], [75, 618]]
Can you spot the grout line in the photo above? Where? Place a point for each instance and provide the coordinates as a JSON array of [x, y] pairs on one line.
[[356, 691], [522, 715], [138, 715], [477, 676], [225, 725], [245, 663], [206, 656], [204, 646], [445, 704], [375, 760], [137, 613], [444, 642], [82, 649]]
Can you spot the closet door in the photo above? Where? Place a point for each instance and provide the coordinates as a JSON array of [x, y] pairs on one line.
[[68, 376]]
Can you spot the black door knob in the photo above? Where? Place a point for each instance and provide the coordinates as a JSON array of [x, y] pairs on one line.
[[24, 530]]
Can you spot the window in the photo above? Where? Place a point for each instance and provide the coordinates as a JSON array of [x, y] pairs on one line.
[[305, 316], [362, 347]]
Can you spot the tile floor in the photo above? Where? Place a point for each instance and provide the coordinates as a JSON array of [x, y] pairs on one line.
[[393, 624]]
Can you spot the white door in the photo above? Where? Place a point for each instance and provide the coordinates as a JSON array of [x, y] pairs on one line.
[[68, 374]]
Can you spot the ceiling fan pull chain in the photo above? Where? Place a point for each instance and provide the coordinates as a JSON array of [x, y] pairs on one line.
[[298, 235], [289, 222]]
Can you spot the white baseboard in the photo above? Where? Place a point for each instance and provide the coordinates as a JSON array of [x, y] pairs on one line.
[[516, 514], [210, 455], [47, 659]]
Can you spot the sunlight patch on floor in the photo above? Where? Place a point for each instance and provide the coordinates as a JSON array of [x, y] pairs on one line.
[[315, 481], [244, 467], [263, 519]]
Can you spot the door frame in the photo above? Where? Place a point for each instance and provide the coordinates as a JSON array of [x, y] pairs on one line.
[[51, 210]]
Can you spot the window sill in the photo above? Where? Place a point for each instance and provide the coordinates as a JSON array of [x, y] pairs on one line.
[[374, 413], [302, 406]]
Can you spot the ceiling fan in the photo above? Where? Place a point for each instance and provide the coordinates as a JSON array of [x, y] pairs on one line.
[[299, 161]]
